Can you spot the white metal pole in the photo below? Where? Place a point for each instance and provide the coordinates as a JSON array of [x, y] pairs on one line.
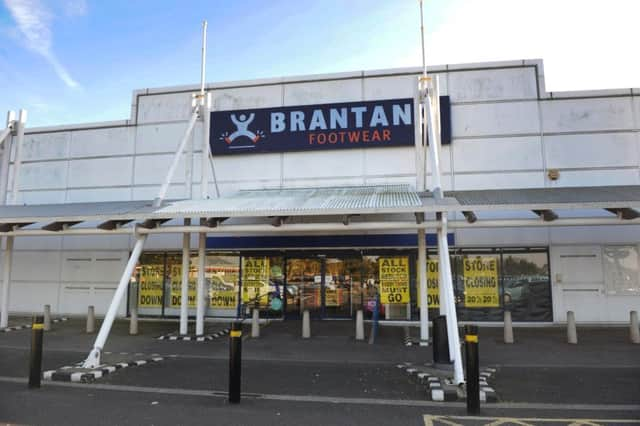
[[4, 134], [201, 295], [6, 283], [422, 280], [6, 158], [93, 360], [206, 128], [452, 317], [419, 147], [188, 169], [203, 61], [17, 161], [176, 157], [184, 290]]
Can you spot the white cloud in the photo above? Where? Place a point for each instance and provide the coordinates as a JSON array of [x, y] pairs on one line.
[[585, 44], [73, 8], [34, 23]]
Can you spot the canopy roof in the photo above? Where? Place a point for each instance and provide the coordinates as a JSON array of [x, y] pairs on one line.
[[334, 201]]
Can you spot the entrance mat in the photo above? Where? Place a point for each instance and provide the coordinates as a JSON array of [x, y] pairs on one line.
[[75, 373], [25, 326], [439, 387], [195, 338]]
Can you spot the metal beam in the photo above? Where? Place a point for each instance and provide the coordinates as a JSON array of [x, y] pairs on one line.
[[625, 213], [470, 216], [60, 226], [110, 225], [153, 223], [279, 221], [546, 215]]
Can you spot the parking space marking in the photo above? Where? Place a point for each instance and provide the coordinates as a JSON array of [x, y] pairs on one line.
[[437, 420]]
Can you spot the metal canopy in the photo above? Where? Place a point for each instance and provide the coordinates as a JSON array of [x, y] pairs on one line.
[[345, 202]]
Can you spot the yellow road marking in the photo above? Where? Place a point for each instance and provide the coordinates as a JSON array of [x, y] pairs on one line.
[[431, 420]]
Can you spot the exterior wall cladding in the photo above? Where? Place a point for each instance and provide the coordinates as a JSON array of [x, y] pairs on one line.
[[507, 133]]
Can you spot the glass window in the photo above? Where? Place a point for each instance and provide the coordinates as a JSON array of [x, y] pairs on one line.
[[621, 269], [148, 289], [526, 286], [477, 286], [222, 283]]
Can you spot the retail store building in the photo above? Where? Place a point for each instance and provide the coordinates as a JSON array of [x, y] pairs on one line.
[[347, 137]]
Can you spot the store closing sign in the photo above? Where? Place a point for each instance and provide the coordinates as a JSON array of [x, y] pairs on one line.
[[176, 287], [150, 287], [224, 299], [255, 279], [394, 279], [481, 282], [433, 282]]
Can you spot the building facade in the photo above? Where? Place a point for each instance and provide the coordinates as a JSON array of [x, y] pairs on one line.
[[501, 130]]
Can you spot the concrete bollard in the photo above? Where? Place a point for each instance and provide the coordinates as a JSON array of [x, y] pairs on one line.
[[91, 319], [508, 327], [306, 325], [634, 331], [133, 322], [572, 334], [255, 324], [47, 318], [359, 325]]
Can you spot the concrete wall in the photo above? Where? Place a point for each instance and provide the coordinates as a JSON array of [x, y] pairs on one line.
[[507, 133]]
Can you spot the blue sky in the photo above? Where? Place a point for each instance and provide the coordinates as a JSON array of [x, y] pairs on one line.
[[74, 61]]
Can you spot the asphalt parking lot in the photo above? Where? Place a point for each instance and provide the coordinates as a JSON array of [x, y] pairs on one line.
[[328, 379]]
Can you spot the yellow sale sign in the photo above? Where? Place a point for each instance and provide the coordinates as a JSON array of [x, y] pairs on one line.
[[394, 279], [225, 299], [481, 282], [150, 287], [176, 287], [433, 280], [255, 280]]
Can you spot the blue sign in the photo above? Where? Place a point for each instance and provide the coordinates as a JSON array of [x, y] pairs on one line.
[[313, 127]]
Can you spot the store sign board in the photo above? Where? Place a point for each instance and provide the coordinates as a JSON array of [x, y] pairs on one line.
[[364, 124], [394, 279], [480, 275], [433, 283], [150, 287]]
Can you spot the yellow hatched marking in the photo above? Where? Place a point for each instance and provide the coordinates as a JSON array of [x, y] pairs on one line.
[[431, 420]]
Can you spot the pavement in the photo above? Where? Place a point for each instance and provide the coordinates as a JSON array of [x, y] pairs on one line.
[[328, 379]]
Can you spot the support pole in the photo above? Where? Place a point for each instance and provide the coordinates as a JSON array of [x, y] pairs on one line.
[[6, 282], [634, 332], [306, 325], [422, 278], [572, 334], [35, 359], [359, 325], [6, 157], [91, 320], [17, 162], [47, 318], [508, 328], [206, 128], [174, 164], [201, 296], [93, 360], [184, 285]]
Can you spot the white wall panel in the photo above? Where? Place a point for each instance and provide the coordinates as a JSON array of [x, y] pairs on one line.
[[169, 107], [576, 265], [587, 114], [592, 150], [247, 97], [35, 265], [98, 142], [323, 92], [98, 194], [152, 169], [389, 161], [41, 197], [175, 191], [323, 182], [31, 297], [596, 177], [37, 243], [380, 88], [45, 146], [49, 175], [160, 137], [507, 118], [476, 155], [100, 172], [493, 84], [334, 163], [96, 242], [247, 167], [596, 234], [504, 180]]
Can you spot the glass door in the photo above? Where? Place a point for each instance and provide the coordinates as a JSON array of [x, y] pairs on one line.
[[342, 287], [304, 286]]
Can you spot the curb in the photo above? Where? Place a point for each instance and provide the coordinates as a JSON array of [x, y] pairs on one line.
[[195, 338], [68, 373], [441, 389], [25, 326]]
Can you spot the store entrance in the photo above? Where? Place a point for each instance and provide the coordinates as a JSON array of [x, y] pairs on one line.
[[325, 286]]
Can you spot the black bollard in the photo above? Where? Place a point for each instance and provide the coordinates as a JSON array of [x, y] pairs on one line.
[[235, 362], [473, 369], [440, 341], [35, 359]]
